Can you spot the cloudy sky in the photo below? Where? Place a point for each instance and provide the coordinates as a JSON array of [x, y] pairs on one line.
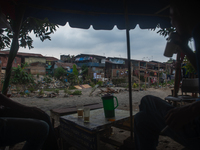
[[145, 44]]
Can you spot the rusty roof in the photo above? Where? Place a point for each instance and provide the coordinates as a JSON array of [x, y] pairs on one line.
[[65, 65], [6, 52], [51, 58]]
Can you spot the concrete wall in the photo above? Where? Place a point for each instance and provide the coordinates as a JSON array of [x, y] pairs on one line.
[[35, 59], [37, 70], [16, 62]]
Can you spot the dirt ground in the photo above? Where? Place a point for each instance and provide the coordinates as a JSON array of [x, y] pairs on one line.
[[46, 104]]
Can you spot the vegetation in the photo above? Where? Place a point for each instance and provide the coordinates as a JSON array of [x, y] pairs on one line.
[[135, 85], [77, 92], [60, 73], [166, 31], [100, 83], [41, 28], [41, 92], [118, 81], [56, 91], [47, 79], [92, 84], [84, 72], [37, 75], [19, 37], [188, 67], [21, 76], [75, 72], [31, 89]]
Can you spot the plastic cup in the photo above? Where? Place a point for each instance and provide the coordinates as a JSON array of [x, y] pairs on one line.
[[80, 110], [86, 114]]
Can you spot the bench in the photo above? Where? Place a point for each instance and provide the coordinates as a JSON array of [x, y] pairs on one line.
[[56, 113]]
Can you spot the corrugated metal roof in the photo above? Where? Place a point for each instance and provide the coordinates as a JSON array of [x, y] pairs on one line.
[[22, 54], [51, 59], [65, 65]]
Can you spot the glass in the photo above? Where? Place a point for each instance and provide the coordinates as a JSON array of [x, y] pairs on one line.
[[80, 110], [86, 114], [9, 93]]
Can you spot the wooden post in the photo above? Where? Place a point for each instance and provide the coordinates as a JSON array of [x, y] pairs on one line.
[[0, 76], [145, 81], [177, 75], [145, 77], [139, 74], [158, 73]]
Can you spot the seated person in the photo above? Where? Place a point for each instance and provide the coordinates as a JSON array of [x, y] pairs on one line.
[[20, 123], [155, 114]]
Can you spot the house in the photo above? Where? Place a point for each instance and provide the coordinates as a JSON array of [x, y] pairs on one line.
[[4, 59], [31, 59], [95, 64], [50, 60], [67, 66], [116, 67], [37, 68], [67, 58]]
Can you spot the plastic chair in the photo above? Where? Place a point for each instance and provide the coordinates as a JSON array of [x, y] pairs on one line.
[[188, 86]]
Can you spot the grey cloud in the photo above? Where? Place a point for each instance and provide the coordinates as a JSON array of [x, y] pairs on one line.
[[66, 40]]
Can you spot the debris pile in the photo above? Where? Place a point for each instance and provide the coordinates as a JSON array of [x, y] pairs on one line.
[[109, 90]]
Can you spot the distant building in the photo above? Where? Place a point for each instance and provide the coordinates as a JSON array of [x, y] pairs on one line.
[[67, 66], [51, 60], [36, 62], [67, 58], [95, 64], [116, 67]]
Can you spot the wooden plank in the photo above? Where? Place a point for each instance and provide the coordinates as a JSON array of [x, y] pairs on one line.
[[85, 86], [78, 87]]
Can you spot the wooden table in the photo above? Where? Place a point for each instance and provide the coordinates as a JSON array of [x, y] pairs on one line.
[[57, 112], [86, 136]]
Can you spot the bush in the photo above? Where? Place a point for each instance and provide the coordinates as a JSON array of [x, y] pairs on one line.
[[59, 72], [56, 91], [20, 75], [72, 88], [41, 92], [47, 79], [92, 84], [77, 92], [118, 81], [135, 85], [69, 92], [31, 89], [100, 83]]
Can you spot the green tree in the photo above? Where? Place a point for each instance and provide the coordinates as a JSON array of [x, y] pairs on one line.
[[41, 28], [75, 72], [60, 73], [19, 37], [84, 72], [166, 31]]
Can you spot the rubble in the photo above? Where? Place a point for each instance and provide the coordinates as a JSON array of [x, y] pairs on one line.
[[110, 91]]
